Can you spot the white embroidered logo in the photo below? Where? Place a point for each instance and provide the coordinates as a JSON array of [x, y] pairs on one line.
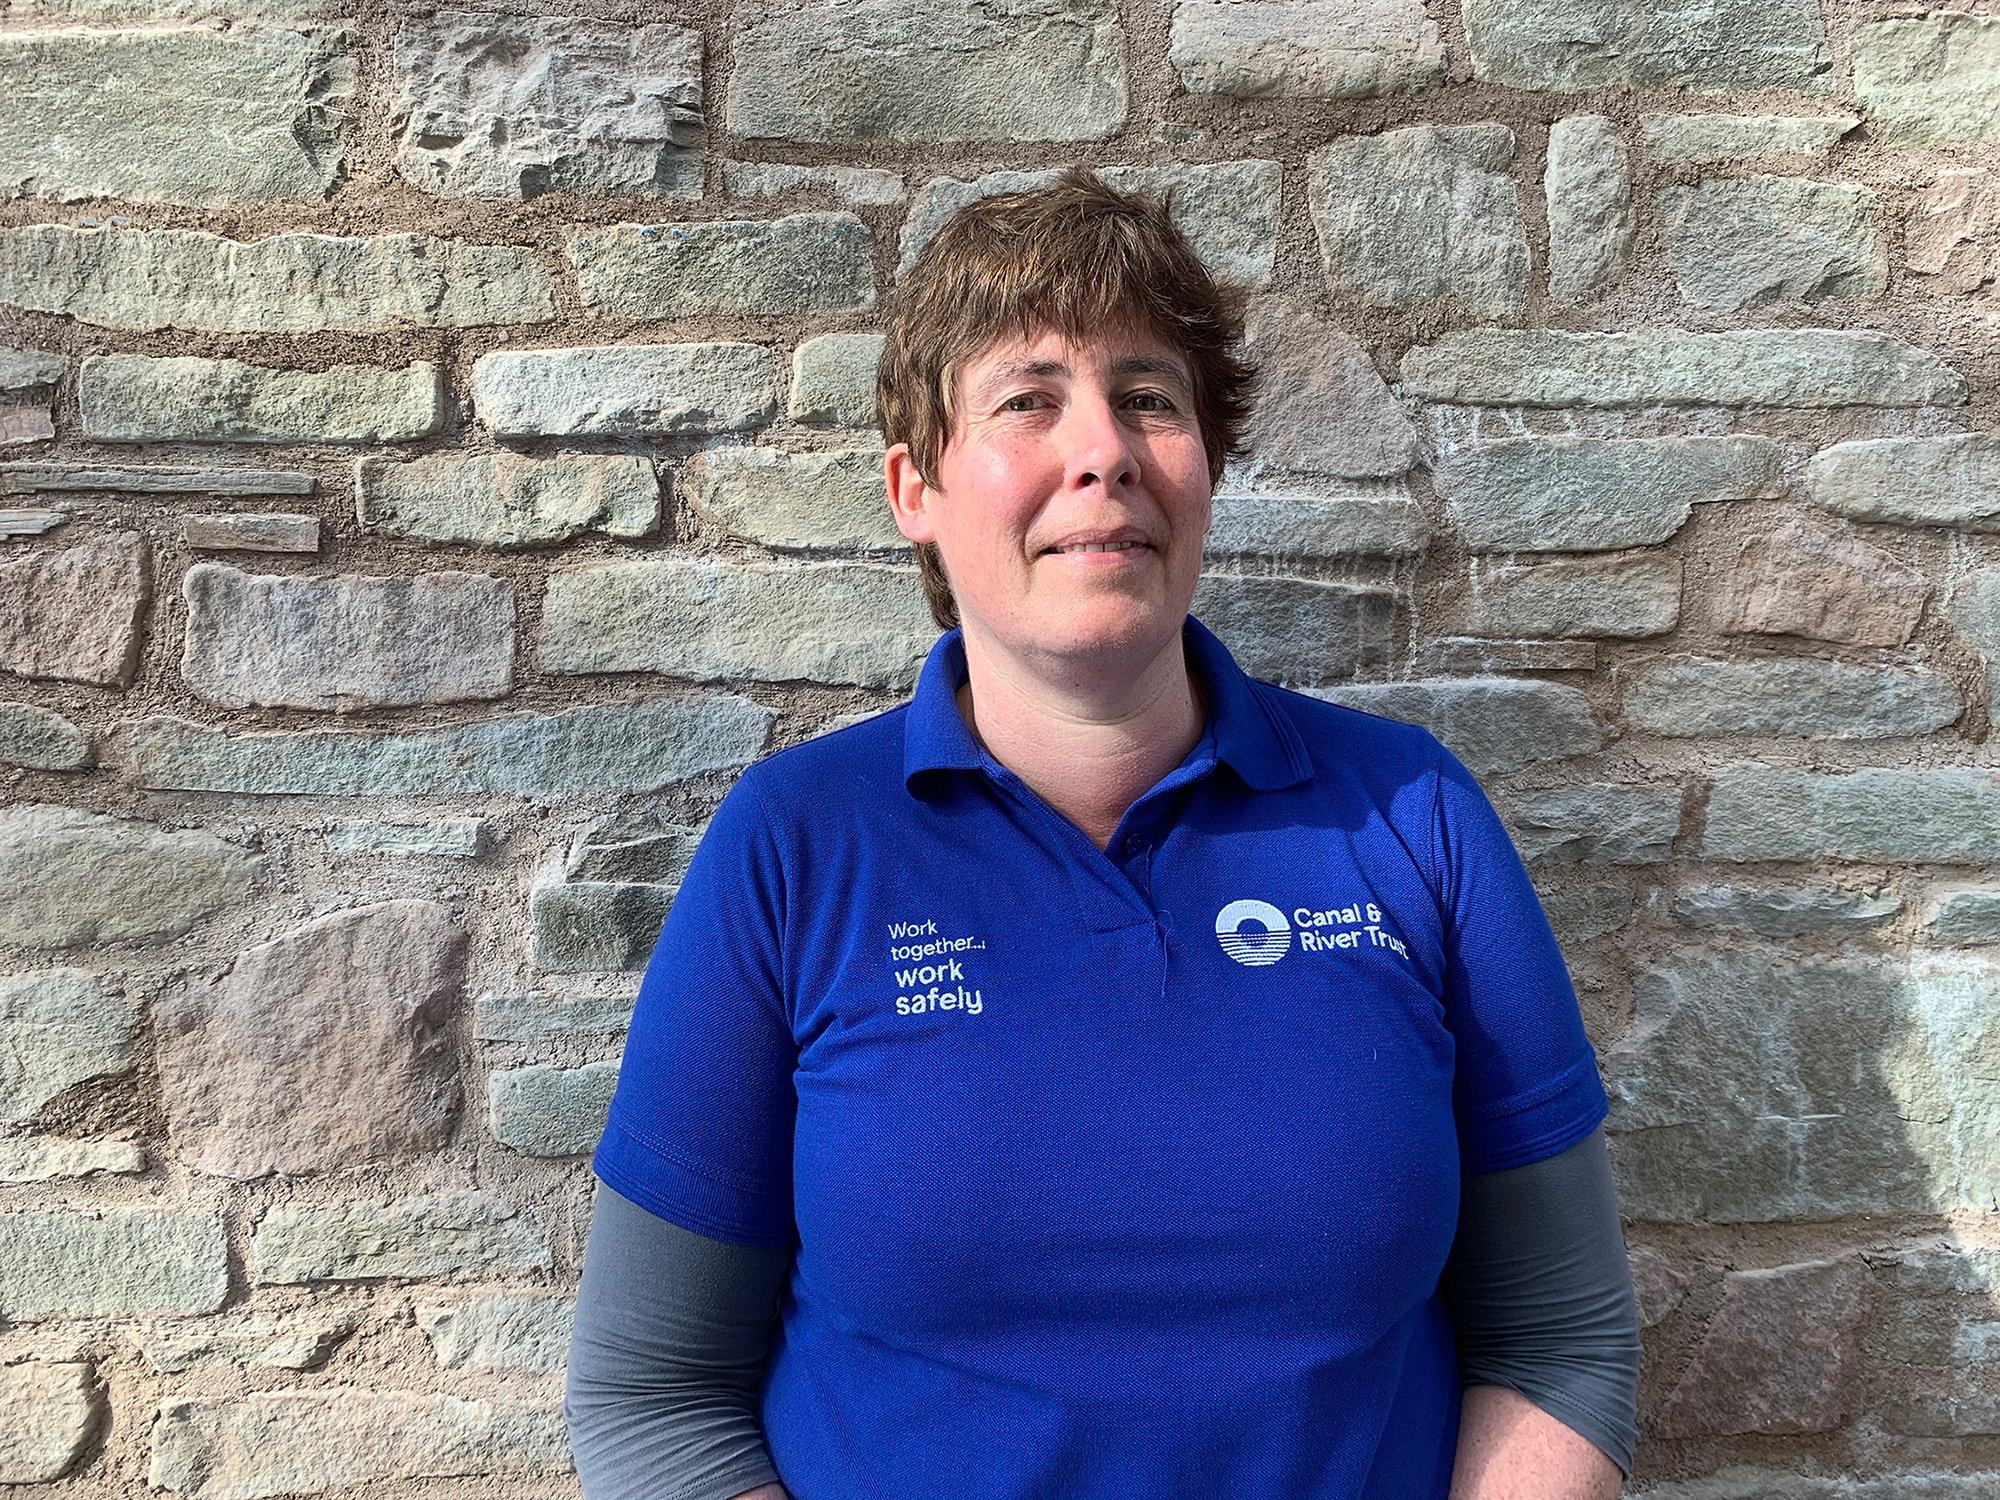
[[1265, 943]]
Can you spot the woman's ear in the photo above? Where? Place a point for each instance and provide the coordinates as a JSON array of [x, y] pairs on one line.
[[909, 496]]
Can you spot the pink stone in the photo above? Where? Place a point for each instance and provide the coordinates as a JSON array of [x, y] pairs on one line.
[[1810, 578], [73, 612]]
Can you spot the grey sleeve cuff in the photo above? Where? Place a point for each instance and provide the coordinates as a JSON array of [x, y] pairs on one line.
[[672, 1329], [1541, 1293]]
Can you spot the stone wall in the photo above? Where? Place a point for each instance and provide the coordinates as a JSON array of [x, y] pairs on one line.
[[436, 459]]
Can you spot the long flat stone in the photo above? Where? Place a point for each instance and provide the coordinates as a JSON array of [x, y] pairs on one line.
[[1946, 816], [72, 613], [129, 398], [544, 1111], [241, 531], [1784, 911], [1620, 597], [33, 1158], [41, 740], [1602, 825], [1305, 49], [39, 479], [410, 1239], [280, 1342], [1742, 242], [111, 1262], [503, 1330], [1490, 723], [48, 1410], [857, 187], [445, 838], [640, 847], [1299, 630], [1343, 519], [29, 369], [1712, 138], [625, 390], [506, 499], [806, 263], [1726, 46], [1913, 481], [62, 1027], [1924, 79], [794, 501], [528, 1018], [1799, 695]]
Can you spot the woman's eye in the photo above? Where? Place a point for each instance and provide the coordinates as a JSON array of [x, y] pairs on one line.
[[1150, 401], [1021, 403]]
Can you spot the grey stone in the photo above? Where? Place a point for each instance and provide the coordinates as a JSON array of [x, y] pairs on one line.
[[26, 420], [1975, 610], [1930, 78], [1964, 916], [48, 1410], [175, 114], [291, 1342], [1599, 825], [1808, 367], [1344, 519], [62, 1027], [40, 740], [1490, 723], [1305, 49], [1707, 138], [143, 280], [324, 1050], [506, 500], [909, 70], [858, 187], [1952, 236], [128, 398], [73, 613], [1452, 656], [806, 263], [36, 479], [19, 523], [525, 1018], [346, 642], [596, 751], [1913, 481], [1741, 242], [29, 369], [1947, 816], [492, 106], [40, 1159], [449, 838], [833, 380], [1783, 911], [1804, 577], [1754, 1090], [1621, 597], [1300, 630], [1725, 46], [859, 623], [111, 1262], [1659, 1287], [794, 501], [543, 1111], [306, 1442], [1824, 699], [246, 532], [1943, 1404], [1587, 912], [1744, 1483], [69, 879], [642, 390], [1944, 1270], [1322, 406], [1588, 188], [1415, 214], [1598, 494], [637, 848], [414, 1238], [589, 925], [503, 1330]]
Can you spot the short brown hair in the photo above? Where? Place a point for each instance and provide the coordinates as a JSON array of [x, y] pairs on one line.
[[1075, 258]]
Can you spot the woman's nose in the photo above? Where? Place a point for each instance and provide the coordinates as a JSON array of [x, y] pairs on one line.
[[1097, 449]]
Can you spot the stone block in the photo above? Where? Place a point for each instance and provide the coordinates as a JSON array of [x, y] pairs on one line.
[[62, 1027], [1742, 1482], [1823, 699], [1619, 597], [542, 1111], [69, 879], [597, 751], [1300, 630], [19, 523], [590, 925], [1658, 1286], [243, 531], [288, 1342], [1597, 494], [833, 380], [143, 280], [1924, 79], [1323, 408], [151, 479], [48, 1411], [1305, 49], [908, 70], [411, 1239], [447, 838], [639, 848], [324, 1050], [527, 1018], [1587, 912], [174, 114], [111, 1263], [857, 187], [794, 501], [1975, 610], [493, 106], [40, 740], [1964, 916], [1419, 213], [1804, 577], [1725, 46], [1711, 138], [504, 1330], [1947, 816], [806, 263], [29, 369], [308, 1442], [644, 390], [1451, 656], [1344, 519], [1952, 236], [507, 500], [1783, 911], [1599, 825], [859, 623], [1941, 1404], [30, 1158], [1912, 481], [1492, 724], [1943, 1270], [128, 398], [73, 613], [1803, 367], [346, 642], [25, 420], [1588, 188], [1743, 242]]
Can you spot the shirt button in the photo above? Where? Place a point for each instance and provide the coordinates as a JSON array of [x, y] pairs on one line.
[[1134, 842]]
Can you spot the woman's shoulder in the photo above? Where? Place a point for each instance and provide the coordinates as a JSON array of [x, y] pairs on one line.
[[851, 756], [1366, 739]]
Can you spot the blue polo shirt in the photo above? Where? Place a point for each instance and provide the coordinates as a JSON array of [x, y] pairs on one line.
[[1114, 1175]]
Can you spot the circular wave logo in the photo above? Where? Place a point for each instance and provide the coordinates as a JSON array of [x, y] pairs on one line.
[[1265, 942]]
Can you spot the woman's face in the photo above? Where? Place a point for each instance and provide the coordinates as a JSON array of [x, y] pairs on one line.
[[1073, 497]]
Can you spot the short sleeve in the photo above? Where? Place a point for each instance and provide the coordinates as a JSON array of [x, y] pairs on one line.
[[1526, 1084], [700, 1129]]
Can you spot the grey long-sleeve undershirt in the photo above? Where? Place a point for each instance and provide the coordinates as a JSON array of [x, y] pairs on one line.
[[672, 1329]]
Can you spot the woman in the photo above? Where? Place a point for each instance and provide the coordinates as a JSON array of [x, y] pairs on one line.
[[1093, 1061]]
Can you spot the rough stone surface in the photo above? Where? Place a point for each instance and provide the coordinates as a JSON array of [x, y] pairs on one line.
[[527, 1018], [642, 848], [1952, 236], [1744, 1483], [1345, 519], [1800, 576], [1587, 912], [1975, 611], [1727, 45], [588, 925], [152, 479], [47, 1413], [111, 1263], [858, 623], [1419, 213], [1298, 630], [40, 740], [506, 1330], [25, 420], [833, 380], [506, 500], [1916, 481], [542, 1111], [1742, 242], [1323, 408], [794, 500], [1619, 597], [285, 1342], [1948, 816], [62, 1027], [491, 106], [19, 523], [176, 114], [1825, 699], [415, 1238], [1930, 78], [1600, 825], [29, 369], [1783, 911], [1460, 656], [1807, 367], [41, 1159], [1597, 494], [321, 1051], [908, 70], [1305, 49], [72, 613], [69, 878], [1964, 916], [628, 390], [1588, 187], [451, 838], [595, 751], [1707, 138], [143, 280], [246, 532], [346, 642], [812, 262], [1658, 1286], [128, 398], [1490, 723], [870, 187]]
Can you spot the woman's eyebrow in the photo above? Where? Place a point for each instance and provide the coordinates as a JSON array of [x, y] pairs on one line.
[[1008, 373], [1150, 364]]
